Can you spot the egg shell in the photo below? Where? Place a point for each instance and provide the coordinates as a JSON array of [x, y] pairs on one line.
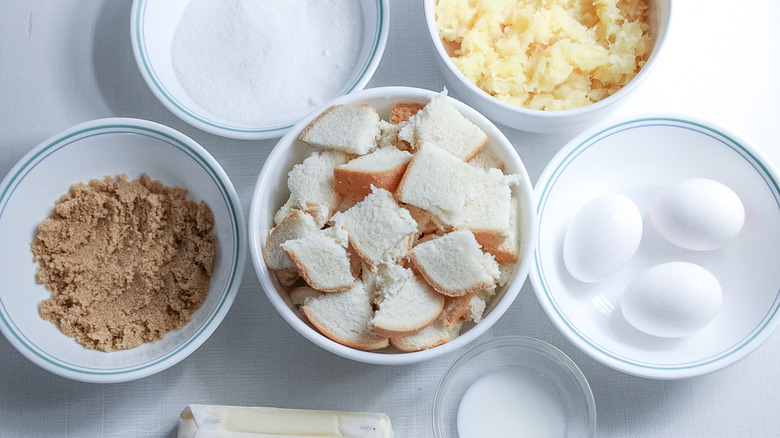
[[673, 299], [602, 237], [699, 214]]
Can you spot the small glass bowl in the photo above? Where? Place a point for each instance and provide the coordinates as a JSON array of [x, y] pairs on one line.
[[553, 369]]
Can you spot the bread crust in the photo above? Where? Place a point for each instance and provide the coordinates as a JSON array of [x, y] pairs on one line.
[[487, 238], [402, 111], [381, 331], [391, 333], [407, 348], [270, 252], [356, 184], [427, 222], [476, 151], [502, 255], [447, 333], [353, 343], [365, 339], [440, 288], [455, 309]]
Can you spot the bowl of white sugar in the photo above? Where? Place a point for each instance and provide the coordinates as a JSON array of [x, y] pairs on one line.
[[250, 69]]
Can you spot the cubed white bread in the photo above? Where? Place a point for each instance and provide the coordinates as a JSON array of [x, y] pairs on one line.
[[298, 297], [437, 181], [431, 336], [322, 260], [427, 222], [507, 272], [399, 117], [382, 168], [379, 229], [455, 309], [509, 250], [345, 318], [355, 262], [294, 226], [440, 123], [405, 302], [454, 264], [487, 208], [369, 279], [388, 136], [469, 307], [287, 277], [345, 203], [487, 160], [426, 237], [476, 309], [403, 111], [312, 188], [350, 128], [284, 211]]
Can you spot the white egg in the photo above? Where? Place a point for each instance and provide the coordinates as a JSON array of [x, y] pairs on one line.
[[672, 299], [698, 214], [602, 237]]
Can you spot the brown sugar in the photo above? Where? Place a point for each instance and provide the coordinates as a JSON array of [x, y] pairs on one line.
[[126, 262]]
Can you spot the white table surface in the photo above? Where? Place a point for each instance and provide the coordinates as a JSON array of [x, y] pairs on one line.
[[65, 62]]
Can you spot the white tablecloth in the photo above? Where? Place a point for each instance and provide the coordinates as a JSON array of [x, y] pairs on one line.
[[65, 62]]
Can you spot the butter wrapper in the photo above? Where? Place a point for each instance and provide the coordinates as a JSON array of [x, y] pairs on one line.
[[213, 421]]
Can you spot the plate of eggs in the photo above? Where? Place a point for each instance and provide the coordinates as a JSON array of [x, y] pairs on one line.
[[657, 245]]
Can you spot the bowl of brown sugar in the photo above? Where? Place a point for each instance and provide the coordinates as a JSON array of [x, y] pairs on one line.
[[123, 249]]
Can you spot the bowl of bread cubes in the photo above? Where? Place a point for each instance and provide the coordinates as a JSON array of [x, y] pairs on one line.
[[546, 66], [393, 225]]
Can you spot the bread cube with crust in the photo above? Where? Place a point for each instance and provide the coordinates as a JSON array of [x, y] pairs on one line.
[[441, 124], [294, 226], [487, 208], [379, 229], [345, 317], [312, 188], [437, 181], [406, 304], [322, 260], [349, 128], [454, 264], [508, 251], [382, 168]]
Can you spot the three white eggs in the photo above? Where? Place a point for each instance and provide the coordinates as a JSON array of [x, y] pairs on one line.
[[672, 299]]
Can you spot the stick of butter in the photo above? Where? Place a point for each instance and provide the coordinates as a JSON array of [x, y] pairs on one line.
[[209, 421]]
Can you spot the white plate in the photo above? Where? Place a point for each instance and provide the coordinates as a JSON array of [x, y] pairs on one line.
[[638, 158], [96, 149], [153, 24]]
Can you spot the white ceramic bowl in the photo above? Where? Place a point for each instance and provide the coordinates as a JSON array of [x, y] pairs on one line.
[[638, 158], [271, 192], [536, 120], [109, 147], [548, 390], [153, 24]]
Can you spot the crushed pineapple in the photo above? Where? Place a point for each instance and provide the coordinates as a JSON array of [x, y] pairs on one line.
[[546, 54]]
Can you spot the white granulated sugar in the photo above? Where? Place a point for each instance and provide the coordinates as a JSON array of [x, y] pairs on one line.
[[266, 62]]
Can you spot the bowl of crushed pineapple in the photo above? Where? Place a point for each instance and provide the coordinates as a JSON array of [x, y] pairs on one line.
[[546, 66]]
